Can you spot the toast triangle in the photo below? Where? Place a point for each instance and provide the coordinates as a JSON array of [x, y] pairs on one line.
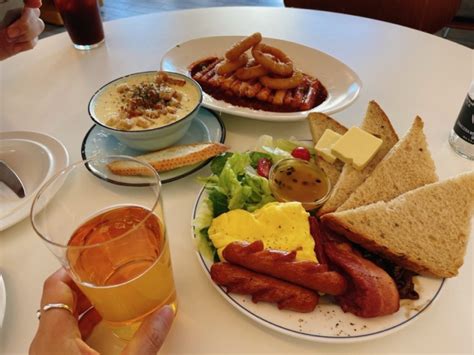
[[425, 230], [377, 123], [406, 166], [318, 123]]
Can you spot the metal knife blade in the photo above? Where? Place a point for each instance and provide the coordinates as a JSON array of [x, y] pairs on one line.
[[11, 179]]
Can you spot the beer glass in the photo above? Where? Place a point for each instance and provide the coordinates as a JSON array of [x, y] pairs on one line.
[[82, 21], [109, 232]]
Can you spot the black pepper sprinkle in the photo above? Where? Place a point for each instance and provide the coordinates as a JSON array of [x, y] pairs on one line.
[[294, 180], [318, 181]]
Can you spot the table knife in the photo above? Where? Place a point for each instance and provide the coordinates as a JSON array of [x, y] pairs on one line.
[[11, 179]]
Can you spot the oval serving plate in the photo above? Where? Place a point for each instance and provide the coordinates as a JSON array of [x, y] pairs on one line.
[[327, 323], [342, 83], [206, 127]]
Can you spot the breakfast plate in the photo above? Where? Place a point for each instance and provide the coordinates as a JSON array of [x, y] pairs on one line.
[[327, 323], [206, 127], [35, 157], [342, 83]]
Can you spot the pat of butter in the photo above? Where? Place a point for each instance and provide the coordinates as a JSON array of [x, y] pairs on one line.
[[325, 143], [356, 147]]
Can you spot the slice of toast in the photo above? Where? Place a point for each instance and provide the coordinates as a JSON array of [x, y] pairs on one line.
[[406, 166], [425, 230], [377, 123], [169, 158], [318, 123]]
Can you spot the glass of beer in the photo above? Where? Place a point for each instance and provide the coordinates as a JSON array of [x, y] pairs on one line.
[[108, 231], [82, 21]]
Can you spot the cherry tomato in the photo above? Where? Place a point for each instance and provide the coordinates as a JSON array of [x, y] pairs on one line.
[[263, 167], [301, 153]]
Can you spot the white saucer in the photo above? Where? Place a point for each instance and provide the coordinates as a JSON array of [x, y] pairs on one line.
[[206, 127], [35, 157], [3, 300]]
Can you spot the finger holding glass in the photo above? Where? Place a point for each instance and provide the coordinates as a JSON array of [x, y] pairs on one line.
[[65, 330], [108, 231]]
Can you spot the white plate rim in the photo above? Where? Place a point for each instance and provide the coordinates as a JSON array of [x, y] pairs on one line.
[[225, 107], [192, 169], [59, 160], [290, 332]]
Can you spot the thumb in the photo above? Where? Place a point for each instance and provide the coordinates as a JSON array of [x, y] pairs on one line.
[[152, 333]]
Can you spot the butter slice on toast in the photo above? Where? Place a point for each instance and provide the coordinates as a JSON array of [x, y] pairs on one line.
[[169, 158], [318, 123], [407, 166], [378, 124]]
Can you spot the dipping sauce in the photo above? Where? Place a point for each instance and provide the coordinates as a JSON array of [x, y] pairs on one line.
[[299, 180], [145, 101]]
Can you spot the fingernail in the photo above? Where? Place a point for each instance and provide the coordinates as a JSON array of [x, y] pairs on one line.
[[168, 309]]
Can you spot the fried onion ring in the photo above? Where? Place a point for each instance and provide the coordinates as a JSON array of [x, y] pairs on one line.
[[240, 47], [253, 72], [283, 83], [275, 60], [227, 66]]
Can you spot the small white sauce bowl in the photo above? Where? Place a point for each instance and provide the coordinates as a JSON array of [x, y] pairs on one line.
[[148, 139]]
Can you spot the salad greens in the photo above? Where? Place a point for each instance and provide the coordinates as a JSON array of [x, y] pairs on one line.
[[235, 184]]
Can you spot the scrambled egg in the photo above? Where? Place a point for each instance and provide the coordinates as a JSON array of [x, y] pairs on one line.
[[281, 226]]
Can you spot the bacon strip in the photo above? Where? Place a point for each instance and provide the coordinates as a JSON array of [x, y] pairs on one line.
[[282, 265], [318, 240], [371, 291], [263, 288]]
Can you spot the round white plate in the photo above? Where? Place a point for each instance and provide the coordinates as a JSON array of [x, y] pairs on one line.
[[342, 83], [327, 323], [206, 127], [35, 157]]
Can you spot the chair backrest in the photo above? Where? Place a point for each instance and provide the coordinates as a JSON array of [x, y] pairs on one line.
[[425, 15]]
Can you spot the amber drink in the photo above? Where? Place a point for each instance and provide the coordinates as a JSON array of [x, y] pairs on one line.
[[125, 267], [108, 231]]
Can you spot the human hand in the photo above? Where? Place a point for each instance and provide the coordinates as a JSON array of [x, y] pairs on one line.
[[22, 34], [60, 332]]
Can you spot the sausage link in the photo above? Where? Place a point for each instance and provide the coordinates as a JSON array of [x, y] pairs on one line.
[[282, 265], [263, 288]]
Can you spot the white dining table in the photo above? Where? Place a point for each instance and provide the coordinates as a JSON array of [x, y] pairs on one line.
[[407, 72]]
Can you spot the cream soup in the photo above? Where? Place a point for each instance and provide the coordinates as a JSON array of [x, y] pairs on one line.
[[145, 101]]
